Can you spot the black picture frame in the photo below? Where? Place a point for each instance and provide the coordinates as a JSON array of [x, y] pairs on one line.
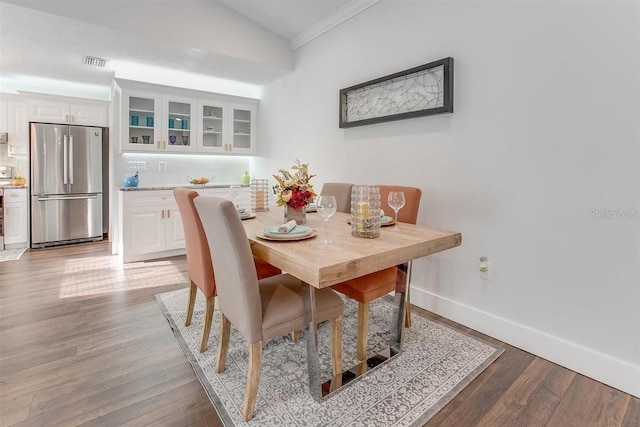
[[378, 109]]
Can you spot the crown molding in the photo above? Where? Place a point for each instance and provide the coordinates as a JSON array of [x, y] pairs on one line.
[[338, 17]]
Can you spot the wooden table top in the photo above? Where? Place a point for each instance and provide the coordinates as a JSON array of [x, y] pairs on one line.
[[348, 256]]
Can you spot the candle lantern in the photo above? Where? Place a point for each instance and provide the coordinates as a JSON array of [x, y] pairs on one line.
[[259, 195], [365, 211]]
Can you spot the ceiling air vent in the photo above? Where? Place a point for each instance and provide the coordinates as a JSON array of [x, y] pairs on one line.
[[94, 61]]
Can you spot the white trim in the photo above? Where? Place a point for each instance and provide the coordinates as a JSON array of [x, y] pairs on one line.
[[601, 367], [336, 18]]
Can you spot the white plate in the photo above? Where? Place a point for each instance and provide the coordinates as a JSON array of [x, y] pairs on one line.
[[248, 216], [297, 230], [386, 220], [288, 238]]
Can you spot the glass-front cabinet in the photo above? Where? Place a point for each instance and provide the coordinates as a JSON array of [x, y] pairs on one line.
[[226, 128], [155, 122], [244, 125], [167, 121], [179, 124], [141, 126], [213, 129]]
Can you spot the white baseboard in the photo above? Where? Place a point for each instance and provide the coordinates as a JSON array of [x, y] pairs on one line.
[[593, 364]]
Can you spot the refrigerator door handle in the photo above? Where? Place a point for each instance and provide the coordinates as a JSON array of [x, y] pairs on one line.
[[78, 197], [71, 159], [65, 163]]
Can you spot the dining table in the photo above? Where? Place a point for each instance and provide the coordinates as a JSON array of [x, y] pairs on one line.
[[318, 265]]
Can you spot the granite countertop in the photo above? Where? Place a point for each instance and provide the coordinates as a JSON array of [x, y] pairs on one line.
[[172, 186], [14, 186]]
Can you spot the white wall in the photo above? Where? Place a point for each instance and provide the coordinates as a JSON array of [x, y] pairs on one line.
[[543, 140]]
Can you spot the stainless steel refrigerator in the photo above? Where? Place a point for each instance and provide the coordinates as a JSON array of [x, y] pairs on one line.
[[66, 184]]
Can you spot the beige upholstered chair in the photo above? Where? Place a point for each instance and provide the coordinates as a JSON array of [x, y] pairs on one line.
[[199, 264], [258, 309], [342, 192], [375, 285]]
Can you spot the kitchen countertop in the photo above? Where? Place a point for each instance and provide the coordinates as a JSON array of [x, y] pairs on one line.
[[14, 186], [171, 187]]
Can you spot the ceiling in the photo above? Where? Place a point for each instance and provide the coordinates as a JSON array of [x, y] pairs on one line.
[[45, 40]]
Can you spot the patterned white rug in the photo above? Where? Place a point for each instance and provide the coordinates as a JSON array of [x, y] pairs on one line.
[[11, 254], [437, 362]]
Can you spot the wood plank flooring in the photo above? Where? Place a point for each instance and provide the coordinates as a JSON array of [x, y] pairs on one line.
[[83, 342]]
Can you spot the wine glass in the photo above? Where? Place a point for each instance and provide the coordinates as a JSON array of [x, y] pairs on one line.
[[326, 207], [234, 193], [396, 202]]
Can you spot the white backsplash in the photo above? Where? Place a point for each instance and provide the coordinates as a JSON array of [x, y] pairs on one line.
[[227, 169], [20, 165]]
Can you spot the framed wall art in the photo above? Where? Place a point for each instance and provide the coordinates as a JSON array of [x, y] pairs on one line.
[[420, 91]]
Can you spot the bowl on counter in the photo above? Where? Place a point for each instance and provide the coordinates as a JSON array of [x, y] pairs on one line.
[[200, 180]]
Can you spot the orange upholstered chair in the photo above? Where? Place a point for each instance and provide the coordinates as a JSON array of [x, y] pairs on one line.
[[408, 214], [375, 285], [199, 264]]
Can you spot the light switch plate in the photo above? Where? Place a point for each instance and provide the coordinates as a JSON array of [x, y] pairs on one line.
[[137, 166]]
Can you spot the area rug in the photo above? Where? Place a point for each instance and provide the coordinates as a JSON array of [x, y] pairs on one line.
[[11, 254], [437, 362]]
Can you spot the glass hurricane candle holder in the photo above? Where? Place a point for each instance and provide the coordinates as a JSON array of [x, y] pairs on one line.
[[365, 211]]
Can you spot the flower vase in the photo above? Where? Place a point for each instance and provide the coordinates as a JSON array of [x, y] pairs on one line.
[[300, 215]]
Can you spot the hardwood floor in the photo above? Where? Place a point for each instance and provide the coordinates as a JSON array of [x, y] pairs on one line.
[[83, 342]]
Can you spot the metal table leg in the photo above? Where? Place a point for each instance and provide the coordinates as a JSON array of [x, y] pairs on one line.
[[311, 338], [319, 390]]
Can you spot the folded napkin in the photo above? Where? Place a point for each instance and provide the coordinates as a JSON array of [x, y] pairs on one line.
[[285, 228]]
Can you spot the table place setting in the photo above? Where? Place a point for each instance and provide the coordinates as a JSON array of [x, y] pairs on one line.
[[385, 220], [245, 214], [287, 232]]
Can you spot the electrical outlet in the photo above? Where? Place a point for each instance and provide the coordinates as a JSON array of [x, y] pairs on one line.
[[162, 166], [485, 268], [137, 166]]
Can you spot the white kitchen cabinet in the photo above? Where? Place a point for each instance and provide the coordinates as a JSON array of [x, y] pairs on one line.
[[163, 119], [13, 120], [227, 127], [243, 121], [76, 112], [214, 129], [157, 122], [3, 115], [140, 121], [151, 225], [16, 218]]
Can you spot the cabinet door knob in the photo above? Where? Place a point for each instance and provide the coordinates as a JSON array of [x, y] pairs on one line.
[[162, 213], [168, 213]]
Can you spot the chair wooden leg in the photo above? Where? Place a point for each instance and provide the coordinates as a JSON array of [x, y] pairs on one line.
[[295, 335], [193, 290], [208, 318], [336, 352], [253, 380], [363, 329], [223, 348]]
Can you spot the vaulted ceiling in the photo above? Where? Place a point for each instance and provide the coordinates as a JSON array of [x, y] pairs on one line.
[[249, 41]]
